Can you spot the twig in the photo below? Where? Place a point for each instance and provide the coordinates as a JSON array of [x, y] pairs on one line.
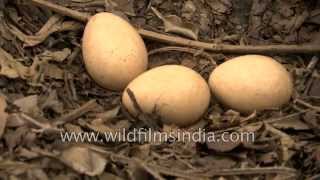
[[204, 174], [313, 63], [310, 71], [43, 126], [315, 177], [134, 101], [183, 49], [300, 101], [224, 172], [88, 106], [145, 166], [62, 10], [217, 48], [286, 141], [271, 120]]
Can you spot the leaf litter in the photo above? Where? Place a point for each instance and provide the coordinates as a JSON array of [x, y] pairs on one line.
[[46, 91]]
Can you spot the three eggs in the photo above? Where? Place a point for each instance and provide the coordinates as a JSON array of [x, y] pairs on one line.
[[116, 58]]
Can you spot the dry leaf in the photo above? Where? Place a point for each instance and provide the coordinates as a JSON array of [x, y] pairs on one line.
[[174, 24], [295, 124], [314, 17], [10, 67], [222, 145], [125, 6], [53, 71], [109, 176], [54, 24], [84, 160], [312, 119], [220, 6], [16, 137], [315, 87], [15, 167], [216, 162], [3, 115], [99, 126], [15, 120], [52, 102], [110, 114], [58, 56], [287, 142], [28, 105]]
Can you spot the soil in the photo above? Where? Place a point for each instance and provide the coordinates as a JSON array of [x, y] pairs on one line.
[[45, 92]]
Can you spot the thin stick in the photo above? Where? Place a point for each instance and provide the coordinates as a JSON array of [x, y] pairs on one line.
[[156, 169], [308, 105], [193, 51], [88, 106], [174, 40], [271, 120], [224, 172], [62, 10]]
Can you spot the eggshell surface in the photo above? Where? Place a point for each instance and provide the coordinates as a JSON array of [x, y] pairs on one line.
[[113, 51], [251, 82], [177, 93]]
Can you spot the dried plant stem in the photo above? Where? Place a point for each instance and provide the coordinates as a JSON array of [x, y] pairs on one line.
[[88, 106], [155, 170], [224, 172], [193, 51], [271, 120], [308, 105], [174, 40]]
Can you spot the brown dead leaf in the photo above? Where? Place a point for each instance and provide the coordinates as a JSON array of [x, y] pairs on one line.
[[315, 87], [83, 160], [10, 67], [26, 153], [3, 115], [15, 167], [109, 176], [14, 120], [125, 6], [54, 24], [40, 67], [268, 158], [251, 128], [110, 114], [220, 6], [141, 151], [222, 145], [14, 138], [314, 17], [28, 105], [215, 162], [293, 123], [189, 63], [72, 128], [51, 101], [287, 142], [174, 24], [58, 56], [313, 120], [98, 125], [53, 71]]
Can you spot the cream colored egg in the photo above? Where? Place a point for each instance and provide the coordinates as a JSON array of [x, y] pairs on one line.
[[113, 51], [251, 82], [177, 93]]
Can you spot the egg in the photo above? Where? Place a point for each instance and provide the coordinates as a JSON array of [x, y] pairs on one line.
[[179, 95], [251, 82], [113, 51]]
